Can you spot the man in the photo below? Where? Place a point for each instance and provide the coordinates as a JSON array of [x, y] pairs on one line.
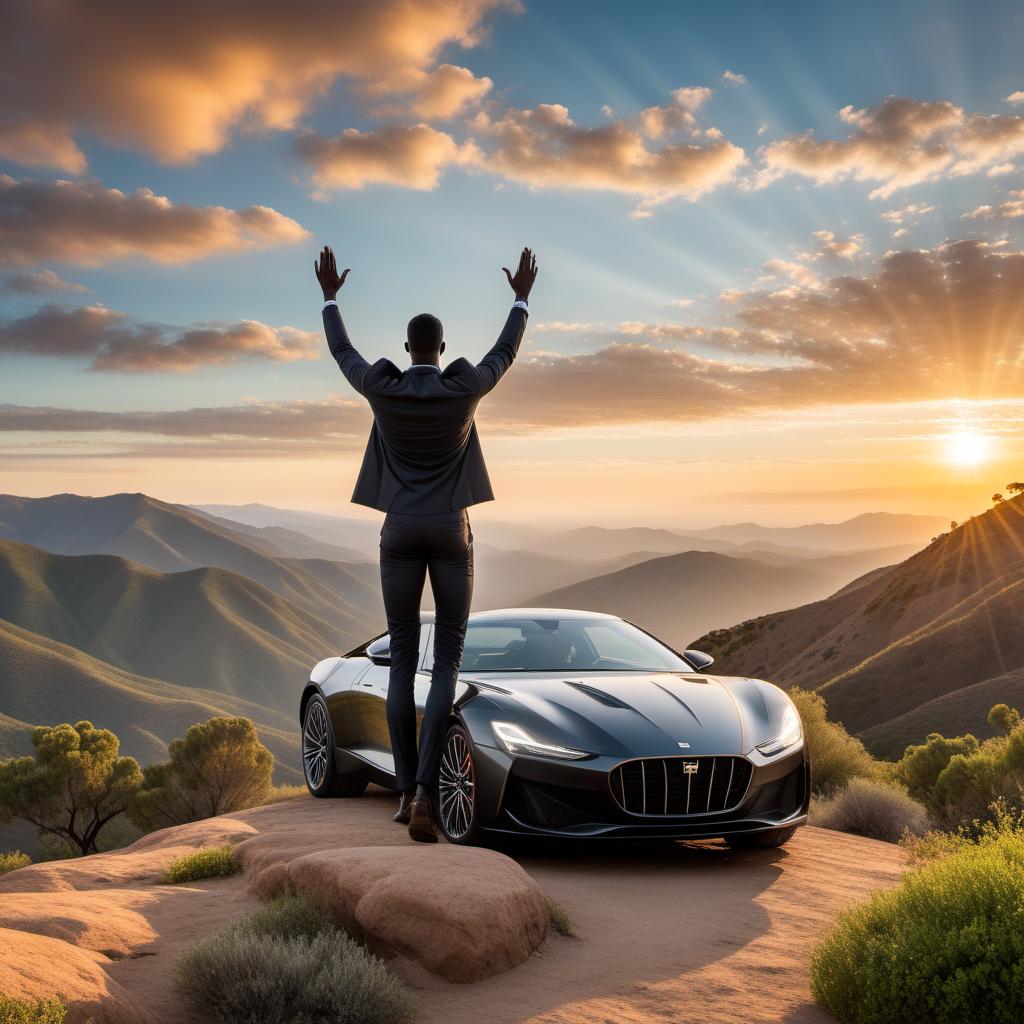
[[424, 467]]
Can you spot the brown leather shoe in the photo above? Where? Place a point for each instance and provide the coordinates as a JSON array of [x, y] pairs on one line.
[[404, 803], [421, 818]]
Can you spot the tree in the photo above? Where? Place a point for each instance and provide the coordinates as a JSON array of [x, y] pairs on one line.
[[219, 766], [922, 764], [996, 498], [72, 786], [953, 525], [1004, 718], [1015, 488]]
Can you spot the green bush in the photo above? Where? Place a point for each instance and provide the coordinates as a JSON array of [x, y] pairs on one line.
[[872, 809], [288, 964], [836, 756], [945, 947], [208, 862], [1002, 822], [42, 1011], [13, 860]]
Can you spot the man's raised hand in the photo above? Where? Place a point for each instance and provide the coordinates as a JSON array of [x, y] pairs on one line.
[[525, 275], [327, 273]]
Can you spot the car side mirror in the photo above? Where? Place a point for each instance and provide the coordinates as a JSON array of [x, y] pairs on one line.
[[699, 660], [379, 652]]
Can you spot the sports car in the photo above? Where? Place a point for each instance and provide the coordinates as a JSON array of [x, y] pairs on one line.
[[573, 724]]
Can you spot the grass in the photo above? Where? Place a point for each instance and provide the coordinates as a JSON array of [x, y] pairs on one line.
[[873, 809], [41, 1011], [944, 947], [207, 862], [11, 862], [559, 919], [288, 963], [284, 792]]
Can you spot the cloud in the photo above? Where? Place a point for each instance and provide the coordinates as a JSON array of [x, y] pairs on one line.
[[1009, 209], [839, 248], [409, 156], [912, 210], [39, 282], [117, 344], [441, 94], [1016, 97], [176, 80], [84, 223], [544, 148], [733, 78], [897, 143], [657, 122]]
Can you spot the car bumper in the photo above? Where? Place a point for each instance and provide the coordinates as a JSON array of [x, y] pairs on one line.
[[574, 800]]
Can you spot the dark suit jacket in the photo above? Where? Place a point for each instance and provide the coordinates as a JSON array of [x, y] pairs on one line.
[[423, 454]]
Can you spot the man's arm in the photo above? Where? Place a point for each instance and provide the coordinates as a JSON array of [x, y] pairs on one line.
[[352, 364], [494, 365]]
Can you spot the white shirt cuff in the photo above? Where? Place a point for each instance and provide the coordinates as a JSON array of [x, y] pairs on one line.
[[522, 304], [329, 302]]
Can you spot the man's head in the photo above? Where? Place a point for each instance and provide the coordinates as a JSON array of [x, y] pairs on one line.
[[425, 335]]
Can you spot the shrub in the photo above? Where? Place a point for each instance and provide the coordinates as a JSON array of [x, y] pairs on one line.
[[13, 860], [922, 763], [287, 964], [1002, 822], [836, 756], [220, 766], [559, 919], [208, 862], [42, 1011], [943, 948], [278, 793], [969, 786], [872, 809]]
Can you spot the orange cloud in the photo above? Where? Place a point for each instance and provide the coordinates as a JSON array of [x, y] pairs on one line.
[[544, 148], [897, 143], [39, 282], [410, 156], [440, 94], [117, 344], [175, 80], [84, 223]]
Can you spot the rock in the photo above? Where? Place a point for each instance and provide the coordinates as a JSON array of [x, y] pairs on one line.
[[39, 967], [463, 913]]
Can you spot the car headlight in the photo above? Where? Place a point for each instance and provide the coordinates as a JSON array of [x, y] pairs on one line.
[[517, 741], [792, 733]]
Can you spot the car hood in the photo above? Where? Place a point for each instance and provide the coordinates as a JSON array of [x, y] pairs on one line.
[[632, 714]]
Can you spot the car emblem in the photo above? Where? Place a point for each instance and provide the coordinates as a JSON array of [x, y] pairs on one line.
[[685, 746], [690, 767]]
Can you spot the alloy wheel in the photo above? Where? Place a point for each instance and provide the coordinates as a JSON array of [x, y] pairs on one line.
[[315, 741], [456, 785]]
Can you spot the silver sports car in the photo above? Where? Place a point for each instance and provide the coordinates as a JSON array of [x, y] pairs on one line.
[[573, 724]]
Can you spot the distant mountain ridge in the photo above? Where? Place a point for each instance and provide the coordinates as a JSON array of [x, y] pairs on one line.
[[944, 620]]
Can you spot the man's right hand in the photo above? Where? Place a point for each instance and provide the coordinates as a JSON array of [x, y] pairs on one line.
[[525, 275]]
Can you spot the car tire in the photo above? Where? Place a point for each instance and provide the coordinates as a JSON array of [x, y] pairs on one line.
[[318, 755], [761, 840], [457, 807]]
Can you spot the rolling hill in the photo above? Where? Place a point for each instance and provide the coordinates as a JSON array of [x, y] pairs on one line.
[[938, 623], [171, 538], [205, 628], [678, 596]]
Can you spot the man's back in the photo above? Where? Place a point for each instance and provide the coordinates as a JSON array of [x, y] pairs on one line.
[[424, 452]]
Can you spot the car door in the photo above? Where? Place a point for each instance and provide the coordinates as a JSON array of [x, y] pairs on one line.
[[371, 694]]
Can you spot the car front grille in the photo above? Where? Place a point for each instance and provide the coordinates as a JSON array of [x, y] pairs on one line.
[[680, 785]]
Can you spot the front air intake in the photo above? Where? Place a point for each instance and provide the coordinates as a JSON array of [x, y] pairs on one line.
[[675, 786]]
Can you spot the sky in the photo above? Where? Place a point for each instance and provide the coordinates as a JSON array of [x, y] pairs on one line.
[[780, 248]]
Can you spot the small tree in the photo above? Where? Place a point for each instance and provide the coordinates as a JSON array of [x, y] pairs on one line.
[[73, 785], [953, 524], [219, 766], [1004, 718], [996, 498]]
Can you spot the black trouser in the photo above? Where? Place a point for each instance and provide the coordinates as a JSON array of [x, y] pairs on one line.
[[411, 545]]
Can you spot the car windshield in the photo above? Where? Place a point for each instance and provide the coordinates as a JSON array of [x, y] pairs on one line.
[[566, 645]]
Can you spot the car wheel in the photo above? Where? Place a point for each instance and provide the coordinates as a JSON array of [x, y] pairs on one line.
[[761, 840], [456, 788], [318, 755]]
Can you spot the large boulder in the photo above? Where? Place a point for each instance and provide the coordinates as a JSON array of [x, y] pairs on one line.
[[39, 967], [463, 913]]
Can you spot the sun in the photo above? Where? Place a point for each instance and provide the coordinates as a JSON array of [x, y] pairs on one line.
[[968, 448]]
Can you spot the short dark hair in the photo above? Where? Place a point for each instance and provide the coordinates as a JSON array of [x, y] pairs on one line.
[[425, 334]]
